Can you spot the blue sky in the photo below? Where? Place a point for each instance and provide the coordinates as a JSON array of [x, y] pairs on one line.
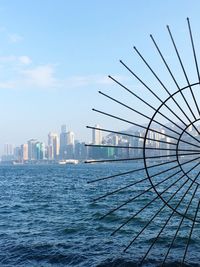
[[56, 54]]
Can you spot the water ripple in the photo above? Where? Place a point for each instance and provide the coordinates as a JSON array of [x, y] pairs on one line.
[[48, 218]]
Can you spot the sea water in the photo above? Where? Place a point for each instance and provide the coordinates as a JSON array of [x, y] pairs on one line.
[[48, 218]]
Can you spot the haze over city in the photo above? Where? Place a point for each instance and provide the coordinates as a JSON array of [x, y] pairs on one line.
[[99, 133], [56, 55]]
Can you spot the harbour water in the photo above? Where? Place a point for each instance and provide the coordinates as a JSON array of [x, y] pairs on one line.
[[48, 218]]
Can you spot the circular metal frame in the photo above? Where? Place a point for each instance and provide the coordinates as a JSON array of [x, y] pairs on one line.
[[177, 154], [192, 206]]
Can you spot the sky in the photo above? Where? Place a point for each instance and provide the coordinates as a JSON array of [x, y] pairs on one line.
[[55, 55]]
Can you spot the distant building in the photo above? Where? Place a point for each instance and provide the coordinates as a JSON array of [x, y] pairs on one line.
[[32, 152], [8, 153], [80, 151], [17, 153], [63, 143], [24, 152], [53, 146], [70, 138], [96, 136], [8, 149], [70, 145], [63, 128], [40, 151]]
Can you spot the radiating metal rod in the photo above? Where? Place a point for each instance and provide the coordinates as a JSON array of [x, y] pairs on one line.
[[186, 77], [131, 135], [131, 171], [166, 156], [141, 137], [149, 157], [190, 235], [142, 193], [140, 169], [163, 87], [143, 127], [166, 203], [167, 221], [179, 226], [148, 88], [158, 111], [169, 70], [147, 190], [120, 189], [130, 185], [161, 101], [155, 215], [148, 204], [131, 218], [193, 49], [146, 148], [140, 113]]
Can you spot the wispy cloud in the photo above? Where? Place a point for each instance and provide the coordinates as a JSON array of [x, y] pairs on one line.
[[44, 77], [2, 29], [24, 60], [11, 37], [26, 75], [92, 80], [39, 77], [8, 85], [14, 38], [7, 59], [87, 80]]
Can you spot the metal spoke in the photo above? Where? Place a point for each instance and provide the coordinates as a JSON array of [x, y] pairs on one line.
[[142, 126], [132, 135], [162, 149], [179, 226], [186, 77], [190, 235]]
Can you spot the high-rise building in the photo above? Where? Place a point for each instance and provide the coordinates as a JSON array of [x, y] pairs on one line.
[[80, 150], [70, 138], [96, 136], [17, 153], [70, 145], [63, 142], [40, 150], [53, 146], [32, 152], [115, 140], [24, 152], [63, 128], [8, 149]]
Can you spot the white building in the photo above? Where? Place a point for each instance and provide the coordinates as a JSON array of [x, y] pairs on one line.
[[96, 136], [53, 146]]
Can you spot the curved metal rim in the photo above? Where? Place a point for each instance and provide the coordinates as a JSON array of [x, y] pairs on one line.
[[144, 151]]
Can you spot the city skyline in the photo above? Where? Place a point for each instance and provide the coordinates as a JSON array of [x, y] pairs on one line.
[[57, 146], [62, 146], [52, 75]]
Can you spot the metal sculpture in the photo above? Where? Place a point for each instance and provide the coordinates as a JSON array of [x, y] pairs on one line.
[[174, 151]]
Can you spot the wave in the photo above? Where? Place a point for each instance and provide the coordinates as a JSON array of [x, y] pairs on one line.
[[149, 263]]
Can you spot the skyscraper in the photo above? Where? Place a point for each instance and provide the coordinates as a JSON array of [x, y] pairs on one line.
[[32, 153], [8, 149], [24, 152], [70, 138], [40, 150], [96, 136], [53, 146], [70, 145], [63, 142], [63, 128]]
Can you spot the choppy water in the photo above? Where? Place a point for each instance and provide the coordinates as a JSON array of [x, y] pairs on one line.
[[47, 218]]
